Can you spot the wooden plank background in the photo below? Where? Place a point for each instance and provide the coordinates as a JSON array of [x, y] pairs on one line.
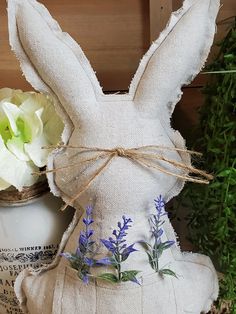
[[114, 35]]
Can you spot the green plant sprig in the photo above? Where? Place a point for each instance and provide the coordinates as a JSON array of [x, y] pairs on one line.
[[212, 219]]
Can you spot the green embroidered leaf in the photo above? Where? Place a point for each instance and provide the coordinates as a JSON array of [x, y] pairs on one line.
[[151, 261], [158, 249], [167, 244], [168, 272], [145, 245], [109, 277], [114, 262], [130, 275]]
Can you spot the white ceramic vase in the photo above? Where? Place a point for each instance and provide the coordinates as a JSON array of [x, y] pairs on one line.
[[30, 233]]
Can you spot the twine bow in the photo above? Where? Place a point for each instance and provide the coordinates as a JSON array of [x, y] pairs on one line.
[[146, 156]]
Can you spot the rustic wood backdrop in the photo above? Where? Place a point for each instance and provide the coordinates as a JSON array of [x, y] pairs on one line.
[[114, 35]]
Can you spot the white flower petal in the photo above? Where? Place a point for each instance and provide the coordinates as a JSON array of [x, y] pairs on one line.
[[6, 93], [38, 118], [53, 129], [28, 122], [19, 97], [16, 146], [33, 124], [4, 185], [15, 96], [14, 171], [35, 151], [12, 112], [33, 103]]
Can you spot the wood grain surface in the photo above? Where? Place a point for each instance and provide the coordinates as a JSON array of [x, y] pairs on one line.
[[114, 35]]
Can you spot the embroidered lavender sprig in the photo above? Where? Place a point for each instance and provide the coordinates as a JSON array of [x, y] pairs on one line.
[[156, 249], [120, 251], [83, 259]]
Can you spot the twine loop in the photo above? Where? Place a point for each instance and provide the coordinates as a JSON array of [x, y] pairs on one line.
[[146, 156]]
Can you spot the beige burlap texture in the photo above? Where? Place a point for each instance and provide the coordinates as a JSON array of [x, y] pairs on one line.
[[113, 125]]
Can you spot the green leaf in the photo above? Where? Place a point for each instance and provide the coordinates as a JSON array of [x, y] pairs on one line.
[[151, 260], [215, 185], [215, 150], [145, 245], [162, 246], [230, 56], [219, 72], [168, 272], [224, 173], [129, 275], [108, 277]]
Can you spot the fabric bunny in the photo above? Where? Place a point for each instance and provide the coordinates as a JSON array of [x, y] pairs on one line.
[[54, 63]]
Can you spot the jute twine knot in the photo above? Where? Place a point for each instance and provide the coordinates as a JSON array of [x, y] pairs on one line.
[[120, 152], [146, 156]]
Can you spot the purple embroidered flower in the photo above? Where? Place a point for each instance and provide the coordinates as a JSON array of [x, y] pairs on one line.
[[160, 206], [88, 219], [117, 244], [85, 279], [109, 245], [120, 251], [104, 261], [82, 260]]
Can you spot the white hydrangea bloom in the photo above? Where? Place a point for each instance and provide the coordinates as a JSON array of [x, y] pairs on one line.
[[28, 122]]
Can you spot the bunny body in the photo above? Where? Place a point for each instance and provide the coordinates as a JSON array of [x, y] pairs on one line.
[[55, 64]]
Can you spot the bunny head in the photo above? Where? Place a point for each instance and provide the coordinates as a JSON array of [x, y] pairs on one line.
[[118, 151], [53, 63]]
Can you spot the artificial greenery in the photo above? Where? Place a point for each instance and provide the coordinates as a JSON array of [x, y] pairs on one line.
[[212, 220]]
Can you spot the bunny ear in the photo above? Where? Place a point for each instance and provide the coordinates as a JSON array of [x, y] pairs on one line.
[[176, 57], [50, 59]]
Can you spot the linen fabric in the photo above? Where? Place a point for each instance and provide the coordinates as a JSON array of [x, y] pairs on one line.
[[54, 63]]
